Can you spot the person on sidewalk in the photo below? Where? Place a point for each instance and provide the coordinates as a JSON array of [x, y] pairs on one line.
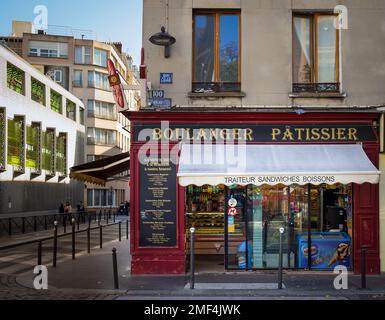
[[61, 208], [80, 211]]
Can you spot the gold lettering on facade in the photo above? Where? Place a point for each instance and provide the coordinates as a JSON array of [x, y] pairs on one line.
[[352, 134], [275, 132], [288, 135], [156, 134], [315, 134], [249, 134]]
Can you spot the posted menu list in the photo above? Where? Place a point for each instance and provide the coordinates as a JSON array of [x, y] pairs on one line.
[[157, 200]]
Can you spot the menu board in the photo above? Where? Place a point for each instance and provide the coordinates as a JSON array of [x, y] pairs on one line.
[[157, 202]]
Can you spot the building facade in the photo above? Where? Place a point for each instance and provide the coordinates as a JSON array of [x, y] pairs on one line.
[[42, 136], [280, 75], [80, 66]]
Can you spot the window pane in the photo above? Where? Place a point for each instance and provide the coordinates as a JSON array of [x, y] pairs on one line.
[[81, 115], [90, 197], [78, 55], [228, 48], [15, 142], [204, 48], [302, 51], [327, 38], [32, 146], [37, 91], [48, 151], [15, 78], [56, 101]]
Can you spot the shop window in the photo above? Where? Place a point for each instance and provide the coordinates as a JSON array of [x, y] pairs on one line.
[[33, 148], [216, 52], [56, 101], [101, 198], [2, 139], [37, 91], [71, 110], [247, 236], [48, 148], [16, 143], [61, 154], [315, 53], [15, 78]]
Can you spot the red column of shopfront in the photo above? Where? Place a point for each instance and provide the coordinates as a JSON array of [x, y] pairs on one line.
[[366, 219], [155, 260]]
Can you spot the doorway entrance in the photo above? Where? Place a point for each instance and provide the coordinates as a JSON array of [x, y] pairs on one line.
[[205, 211]]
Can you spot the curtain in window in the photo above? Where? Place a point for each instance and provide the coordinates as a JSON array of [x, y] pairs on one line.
[[301, 50]]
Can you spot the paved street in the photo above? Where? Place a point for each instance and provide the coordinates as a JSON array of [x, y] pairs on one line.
[[91, 277]]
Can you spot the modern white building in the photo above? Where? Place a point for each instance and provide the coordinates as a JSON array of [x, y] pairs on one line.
[[42, 135]]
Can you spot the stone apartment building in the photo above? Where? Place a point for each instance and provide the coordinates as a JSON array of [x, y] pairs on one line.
[[282, 77], [80, 66]]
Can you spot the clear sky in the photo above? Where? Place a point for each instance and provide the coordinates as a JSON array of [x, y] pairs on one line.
[[109, 20]]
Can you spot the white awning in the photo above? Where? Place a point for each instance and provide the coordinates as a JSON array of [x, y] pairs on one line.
[[201, 164]]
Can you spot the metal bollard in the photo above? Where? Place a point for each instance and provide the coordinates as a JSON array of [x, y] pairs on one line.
[[114, 217], [88, 240], [73, 239], [23, 225], [64, 224], [192, 257], [363, 267], [10, 226], [54, 245], [39, 253], [78, 223], [107, 218], [89, 221], [281, 231], [120, 231], [101, 236], [34, 224], [45, 223], [115, 268], [127, 229]]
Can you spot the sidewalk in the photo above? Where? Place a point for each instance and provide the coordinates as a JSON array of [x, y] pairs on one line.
[[93, 273], [20, 238]]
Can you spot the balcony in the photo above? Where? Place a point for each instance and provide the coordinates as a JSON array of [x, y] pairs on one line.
[[317, 90], [216, 89], [97, 85], [100, 142], [112, 117]]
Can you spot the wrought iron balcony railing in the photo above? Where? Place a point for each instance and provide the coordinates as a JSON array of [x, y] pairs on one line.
[[325, 87]]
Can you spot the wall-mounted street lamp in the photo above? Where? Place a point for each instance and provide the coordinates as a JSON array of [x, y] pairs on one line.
[[164, 39]]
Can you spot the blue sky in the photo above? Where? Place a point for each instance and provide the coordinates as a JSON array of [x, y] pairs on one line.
[[110, 20]]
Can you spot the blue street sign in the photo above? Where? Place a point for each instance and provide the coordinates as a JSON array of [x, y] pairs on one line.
[[164, 103], [156, 94], [166, 78]]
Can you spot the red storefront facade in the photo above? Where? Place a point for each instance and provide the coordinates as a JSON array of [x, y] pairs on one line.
[[164, 259]]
